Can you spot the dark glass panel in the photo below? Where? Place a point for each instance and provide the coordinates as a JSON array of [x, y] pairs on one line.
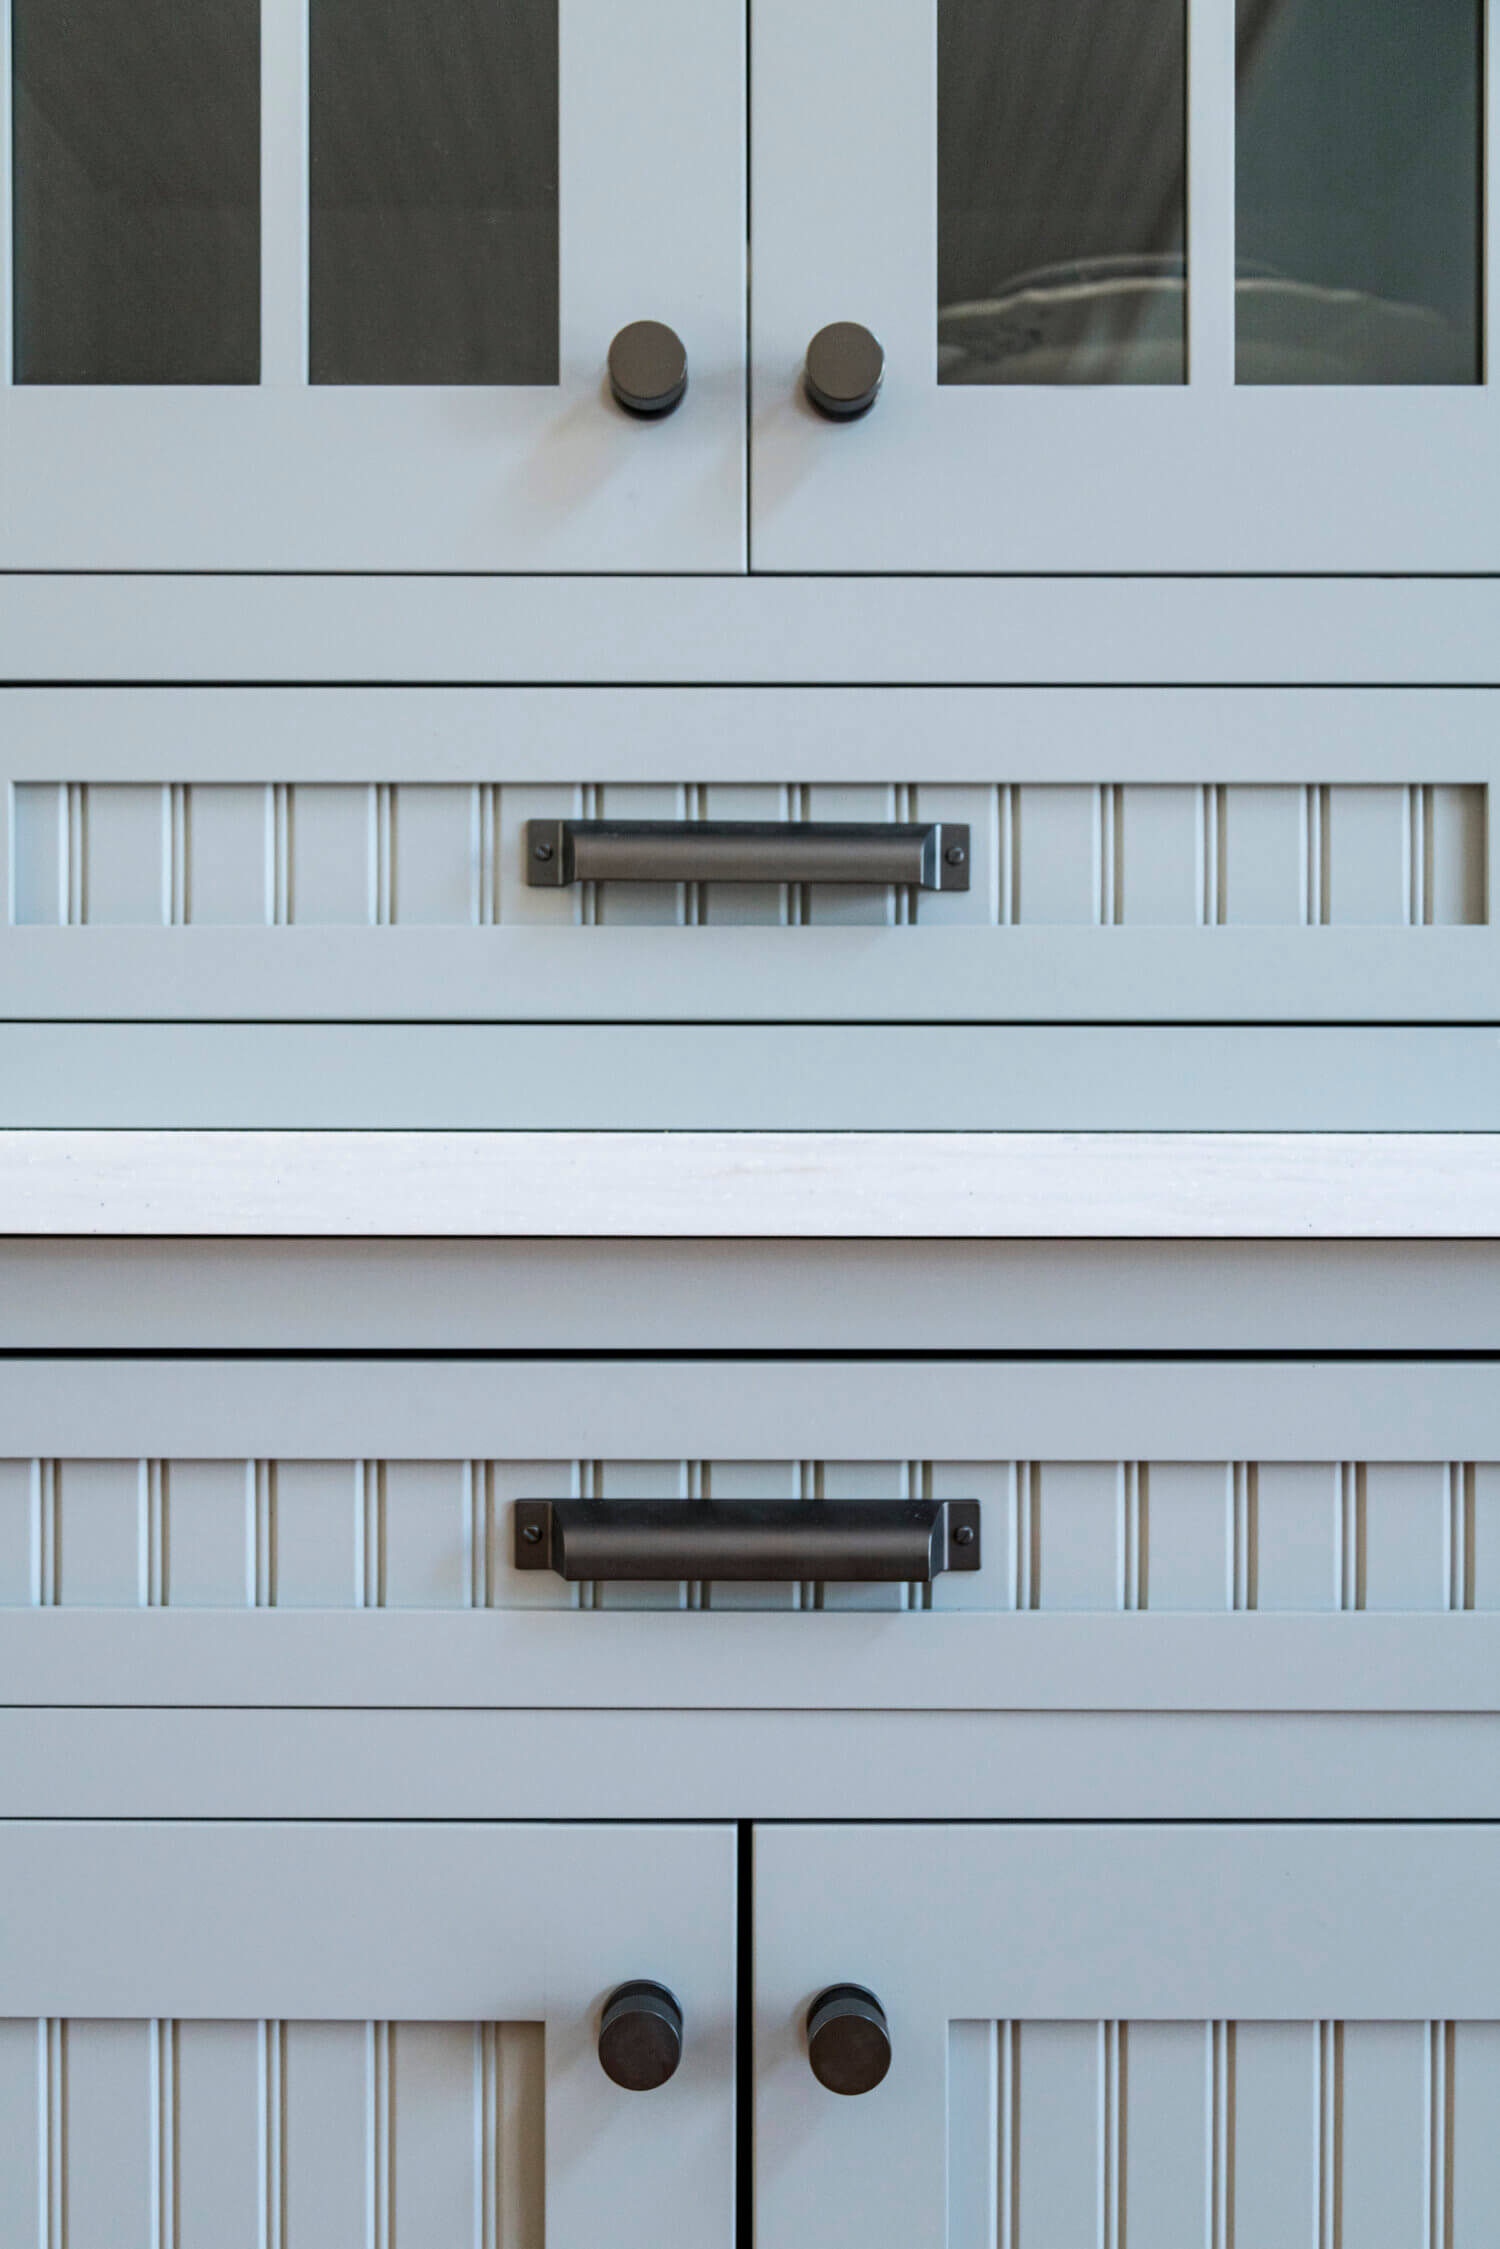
[[137, 191], [1359, 177], [1061, 191], [434, 191]]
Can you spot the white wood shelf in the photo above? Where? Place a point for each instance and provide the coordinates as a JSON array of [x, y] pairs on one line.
[[753, 1186]]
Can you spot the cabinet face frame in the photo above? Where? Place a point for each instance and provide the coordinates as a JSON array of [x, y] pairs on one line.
[[1201, 477], [1088, 1924], [290, 476], [335, 1922]]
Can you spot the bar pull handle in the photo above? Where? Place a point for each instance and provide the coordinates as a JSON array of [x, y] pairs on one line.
[[927, 854], [853, 1541]]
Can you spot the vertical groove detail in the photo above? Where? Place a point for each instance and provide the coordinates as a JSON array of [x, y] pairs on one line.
[[261, 1533], [369, 1534], [1329, 2127], [283, 900], [163, 2036], [151, 1590], [1111, 2147], [51, 2152], [1219, 2216], [1008, 847], [1439, 2147], [486, 2137], [1009, 2170], [76, 855], [380, 2151], [45, 1529], [271, 2082]]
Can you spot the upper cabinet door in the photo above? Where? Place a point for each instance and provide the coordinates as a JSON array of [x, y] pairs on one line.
[[332, 284], [1172, 285]]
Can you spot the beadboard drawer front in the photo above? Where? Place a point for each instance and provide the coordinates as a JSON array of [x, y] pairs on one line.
[[227, 2032], [1231, 2033], [1136, 855], [1176, 1535]]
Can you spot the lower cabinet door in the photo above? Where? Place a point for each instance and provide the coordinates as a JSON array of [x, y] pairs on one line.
[[265, 2036], [1128, 2037]]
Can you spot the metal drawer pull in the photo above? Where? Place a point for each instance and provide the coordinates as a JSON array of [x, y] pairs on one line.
[[929, 854], [857, 1541]]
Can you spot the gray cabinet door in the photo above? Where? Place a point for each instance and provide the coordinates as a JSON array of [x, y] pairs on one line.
[[1160, 287], [300, 285], [220, 2035], [1120, 2034], [1127, 856]]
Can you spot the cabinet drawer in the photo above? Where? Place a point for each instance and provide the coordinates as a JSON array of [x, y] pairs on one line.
[[1093, 855], [1169, 1535], [1233, 2033], [230, 2033]]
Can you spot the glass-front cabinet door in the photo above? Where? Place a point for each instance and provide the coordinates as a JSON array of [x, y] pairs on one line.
[[1157, 285], [333, 284]]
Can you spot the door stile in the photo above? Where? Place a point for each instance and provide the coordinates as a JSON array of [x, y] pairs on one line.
[[1489, 298], [283, 193], [1210, 193]]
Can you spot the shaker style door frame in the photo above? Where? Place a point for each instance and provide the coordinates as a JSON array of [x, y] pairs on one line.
[[324, 1922], [290, 476], [1205, 477], [956, 1929]]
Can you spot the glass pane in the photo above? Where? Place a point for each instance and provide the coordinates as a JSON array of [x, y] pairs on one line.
[[434, 191], [1061, 191], [1359, 185], [137, 191]]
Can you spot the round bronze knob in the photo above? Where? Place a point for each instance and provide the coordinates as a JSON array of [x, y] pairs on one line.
[[844, 371], [640, 2036], [848, 2039], [648, 369]]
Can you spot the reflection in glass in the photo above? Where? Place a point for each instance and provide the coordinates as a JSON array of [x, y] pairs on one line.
[[434, 191], [1359, 181], [1061, 191], [137, 191]]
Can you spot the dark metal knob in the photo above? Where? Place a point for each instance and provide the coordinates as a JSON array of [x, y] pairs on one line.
[[844, 371], [640, 2037], [848, 2039], [648, 369]]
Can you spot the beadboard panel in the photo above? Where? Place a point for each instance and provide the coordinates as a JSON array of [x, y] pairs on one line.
[[452, 856], [233, 2135], [1199, 2135], [251, 815], [1170, 1536]]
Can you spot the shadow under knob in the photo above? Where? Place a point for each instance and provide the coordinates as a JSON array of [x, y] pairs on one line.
[[640, 2037], [648, 369], [848, 2039], [845, 368]]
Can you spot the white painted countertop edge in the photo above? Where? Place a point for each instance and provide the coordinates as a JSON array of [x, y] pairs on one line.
[[754, 1185]]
